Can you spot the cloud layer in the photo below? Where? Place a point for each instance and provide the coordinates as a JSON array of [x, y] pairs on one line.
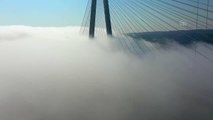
[[58, 74]]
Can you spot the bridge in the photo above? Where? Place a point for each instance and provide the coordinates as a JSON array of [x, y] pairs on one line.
[[148, 15], [185, 22]]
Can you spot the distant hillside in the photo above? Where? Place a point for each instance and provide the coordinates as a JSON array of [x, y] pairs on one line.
[[184, 37]]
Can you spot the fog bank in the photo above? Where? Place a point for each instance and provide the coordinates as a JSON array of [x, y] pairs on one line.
[[58, 74]]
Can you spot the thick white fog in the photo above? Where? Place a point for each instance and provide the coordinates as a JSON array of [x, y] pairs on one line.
[[59, 74]]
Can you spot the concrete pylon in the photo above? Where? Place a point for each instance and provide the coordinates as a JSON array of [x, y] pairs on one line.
[[107, 17], [93, 18]]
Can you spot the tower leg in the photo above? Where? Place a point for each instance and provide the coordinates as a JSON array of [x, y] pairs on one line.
[[107, 17], [92, 19]]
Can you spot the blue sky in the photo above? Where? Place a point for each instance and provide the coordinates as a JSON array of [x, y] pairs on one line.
[[45, 12], [42, 12]]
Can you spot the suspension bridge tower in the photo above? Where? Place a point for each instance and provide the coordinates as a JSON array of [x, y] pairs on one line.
[[93, 18]]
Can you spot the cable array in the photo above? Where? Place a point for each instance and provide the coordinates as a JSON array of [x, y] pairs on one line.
[[132, 17]]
